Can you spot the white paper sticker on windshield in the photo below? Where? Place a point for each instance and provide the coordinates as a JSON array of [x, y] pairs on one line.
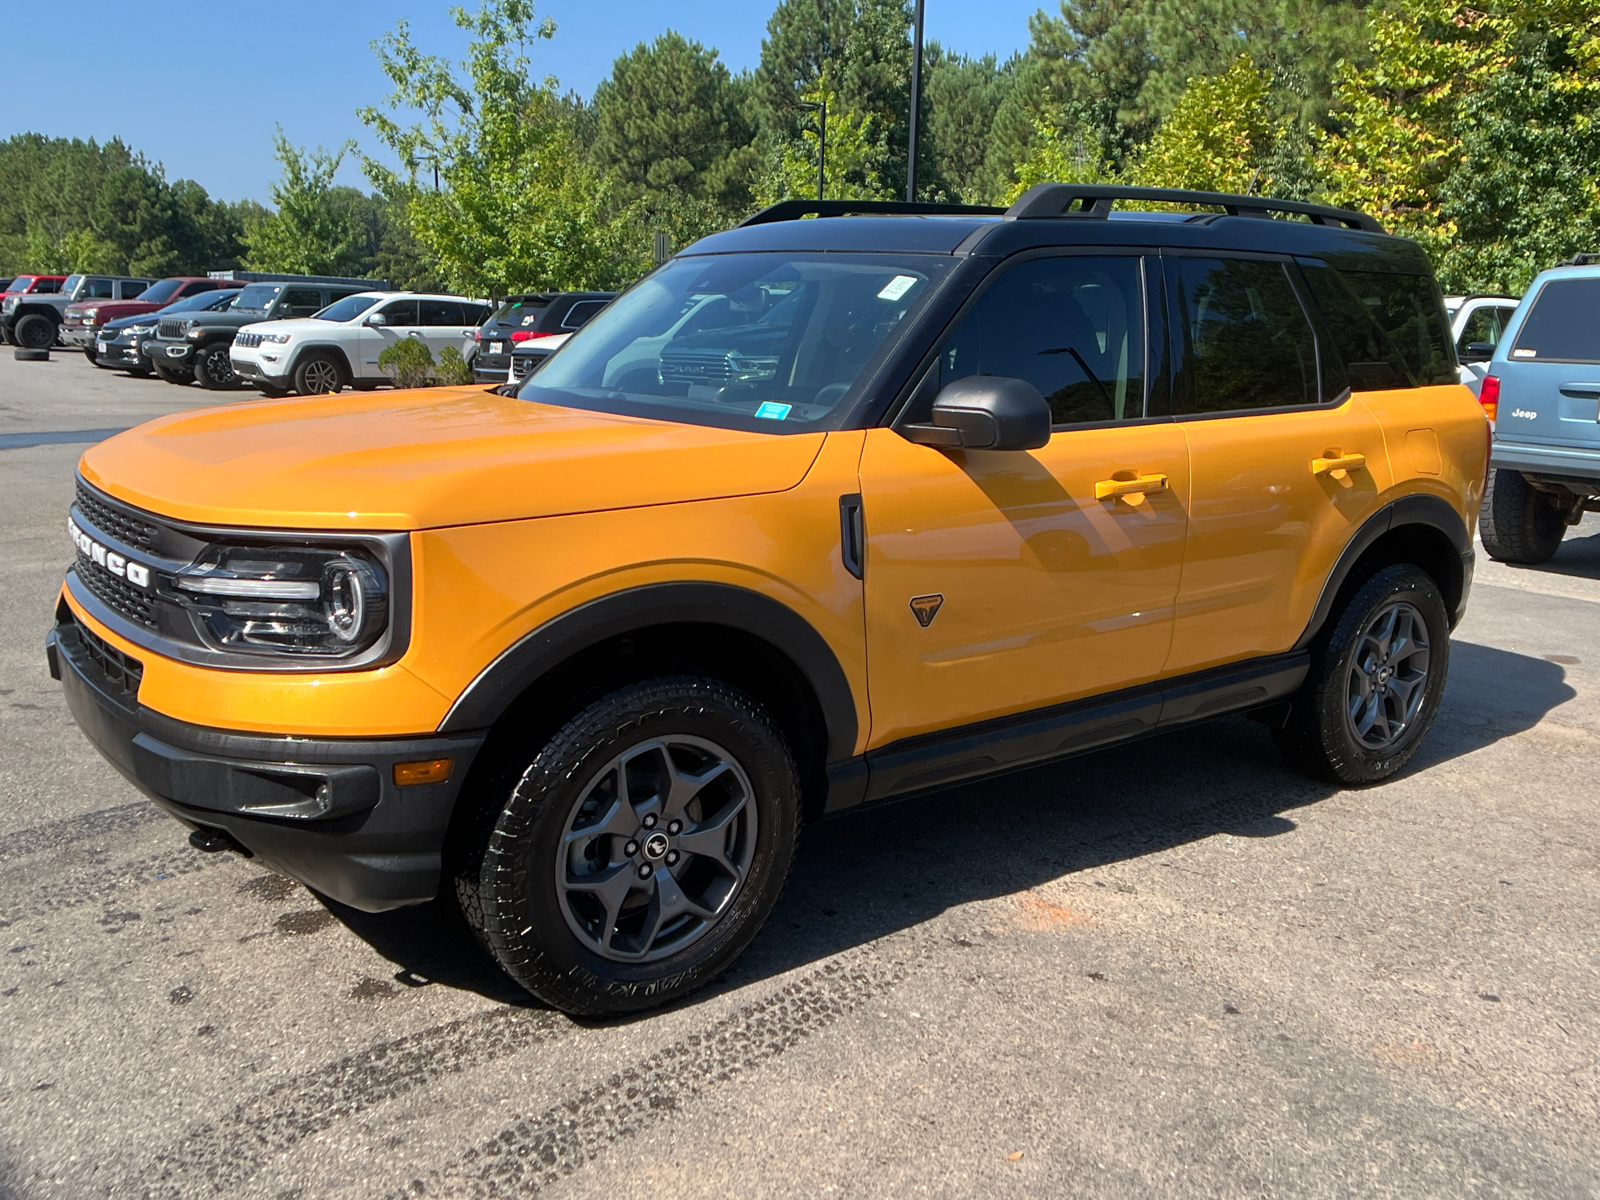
[[897, 287]]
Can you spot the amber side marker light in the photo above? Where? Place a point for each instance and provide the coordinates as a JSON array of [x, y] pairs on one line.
[[433, 770]]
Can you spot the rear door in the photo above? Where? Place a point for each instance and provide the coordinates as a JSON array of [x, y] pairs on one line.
[[1550, 383], [1285, 463], [444, 323]]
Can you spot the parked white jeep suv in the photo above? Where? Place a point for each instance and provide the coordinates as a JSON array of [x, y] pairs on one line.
[[339, 346]]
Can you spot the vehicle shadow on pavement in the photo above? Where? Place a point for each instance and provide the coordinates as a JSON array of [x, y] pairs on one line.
[[888, 867], [1578, 558]]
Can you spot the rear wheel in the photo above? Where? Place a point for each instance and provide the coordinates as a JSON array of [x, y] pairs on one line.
[[638, 851], [318, 374], [1518, 522], [213, 368], [34, 332], [1377, 672]]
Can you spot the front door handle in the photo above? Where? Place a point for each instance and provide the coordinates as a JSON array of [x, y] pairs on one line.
[[1130, 491], [1336, 465]]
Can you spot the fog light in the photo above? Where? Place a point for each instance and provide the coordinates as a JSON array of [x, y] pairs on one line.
[[433, 770]]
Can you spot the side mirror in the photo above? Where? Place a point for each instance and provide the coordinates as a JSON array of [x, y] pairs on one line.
[[1478, 352], [376, 321], [986, 412]]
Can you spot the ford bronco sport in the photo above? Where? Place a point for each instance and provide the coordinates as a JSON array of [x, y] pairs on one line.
[[819, 512]]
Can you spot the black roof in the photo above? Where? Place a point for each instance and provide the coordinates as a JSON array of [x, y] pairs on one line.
[[1073, 215]]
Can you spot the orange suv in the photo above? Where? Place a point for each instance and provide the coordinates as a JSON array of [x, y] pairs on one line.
[[821, 511]]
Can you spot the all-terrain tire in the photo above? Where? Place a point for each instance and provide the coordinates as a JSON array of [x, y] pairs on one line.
[[515, 872], [179, 376], [34, 332], [213, 368], [1518, 522], [1323, 734]]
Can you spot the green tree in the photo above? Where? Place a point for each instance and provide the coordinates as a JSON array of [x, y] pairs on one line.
[[1066, 150], [1217, 138], [964, 100], [519, 204], [313, 231]]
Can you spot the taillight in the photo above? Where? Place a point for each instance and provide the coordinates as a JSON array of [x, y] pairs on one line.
[[528, 335], [1489, 395]]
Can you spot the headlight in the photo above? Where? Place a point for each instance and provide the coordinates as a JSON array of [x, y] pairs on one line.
[[91, 314], [277, 339], [752, 368], [295, 600], [8, 304], [139, 331]]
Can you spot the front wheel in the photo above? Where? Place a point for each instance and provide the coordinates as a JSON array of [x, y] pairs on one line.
[[639, 851], [213, 368], [181, 376], [88, 352], [318, 375], [34, 332], [1377, 672]]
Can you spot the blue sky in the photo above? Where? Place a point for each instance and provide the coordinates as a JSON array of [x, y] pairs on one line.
[[149, 72]]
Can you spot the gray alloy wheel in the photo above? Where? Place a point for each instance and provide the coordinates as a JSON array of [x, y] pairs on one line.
[[213, 368], [34, 332], [1388, 676], [318, 376], [656, 848]]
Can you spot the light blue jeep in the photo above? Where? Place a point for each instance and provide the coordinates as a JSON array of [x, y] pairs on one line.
[[1543, 394]]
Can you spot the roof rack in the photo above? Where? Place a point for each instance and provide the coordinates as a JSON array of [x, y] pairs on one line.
[[1093, 201], [1580, 260], [793, 210]]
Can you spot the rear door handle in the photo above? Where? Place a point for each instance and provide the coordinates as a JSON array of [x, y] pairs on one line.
[[1582, 389], [852, 534], [1336, 465], [1130, 491]]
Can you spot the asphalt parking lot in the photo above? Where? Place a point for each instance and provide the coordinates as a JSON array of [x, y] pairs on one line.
[[1174, 968]]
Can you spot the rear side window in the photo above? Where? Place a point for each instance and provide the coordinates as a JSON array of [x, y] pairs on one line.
[[1071, 326], [1563, 325], [439, 313], [1484, 327], [578, 315], [475, 313], [98, 289], [132, 287], [300, 302], [1389, 329], [46, 287], [1243, 337]]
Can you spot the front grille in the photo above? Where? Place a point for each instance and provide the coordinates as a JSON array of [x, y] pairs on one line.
[[523, 364], [127, 528], [247, 340], [689, 367], [172, 328], [117, 594], [119, 670]]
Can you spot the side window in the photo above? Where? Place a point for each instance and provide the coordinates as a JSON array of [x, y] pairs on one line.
[[580, 313], [1562, 325], [133, 287], [1389, 329], [300, 302], [400, 312], [1482, 325], [437, 313], [98, 289], [1071, 326], [475, 314]]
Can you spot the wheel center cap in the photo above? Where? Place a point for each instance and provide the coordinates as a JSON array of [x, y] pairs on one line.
[[655, 846]]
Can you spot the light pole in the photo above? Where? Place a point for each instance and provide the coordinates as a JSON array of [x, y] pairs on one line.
[[916, 101]]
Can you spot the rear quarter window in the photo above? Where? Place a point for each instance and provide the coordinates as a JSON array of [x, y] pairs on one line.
[[1563, 325], [1390, 329]]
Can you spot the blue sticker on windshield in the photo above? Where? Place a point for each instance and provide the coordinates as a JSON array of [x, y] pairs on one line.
[[771, 410]]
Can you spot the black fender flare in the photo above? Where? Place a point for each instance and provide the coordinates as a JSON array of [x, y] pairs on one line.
[[547, 647], [1417, 509]]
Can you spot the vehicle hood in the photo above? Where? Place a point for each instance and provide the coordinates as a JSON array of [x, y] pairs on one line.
[[303, 326], [110, 310], [426, 459]]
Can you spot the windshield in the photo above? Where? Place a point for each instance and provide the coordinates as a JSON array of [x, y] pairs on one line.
[[770, 342], [258, 297], [70, 282], [161, 293], [202, 301], [347, 309]]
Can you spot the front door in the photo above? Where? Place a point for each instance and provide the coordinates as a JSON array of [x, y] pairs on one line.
[[998, 582], [1286, 464], [400, 321]]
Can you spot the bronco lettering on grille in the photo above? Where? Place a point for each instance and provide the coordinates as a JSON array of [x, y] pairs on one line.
[[119, 565]]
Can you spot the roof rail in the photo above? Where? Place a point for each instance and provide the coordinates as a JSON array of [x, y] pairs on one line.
[[793, 210], [1046, 200], [1580, 260]]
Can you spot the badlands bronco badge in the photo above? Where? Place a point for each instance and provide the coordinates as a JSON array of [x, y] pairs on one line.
[[926, 608]]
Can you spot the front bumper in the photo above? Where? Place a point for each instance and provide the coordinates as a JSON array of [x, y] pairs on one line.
[[114, 355], [491, 368], [1572, 462], [325, 812], [80, 337]]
